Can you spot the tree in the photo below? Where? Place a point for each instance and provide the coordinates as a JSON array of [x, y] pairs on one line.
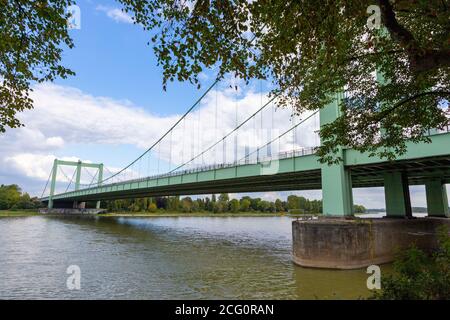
[[358, 208], [293, 202], [9, 196], [264, 206], [312, 51], [32, 37], [245, 205], [152, 207], [234, 206], [224, 197], [419, 276], [279, 205], [254, 203], [186, 204]]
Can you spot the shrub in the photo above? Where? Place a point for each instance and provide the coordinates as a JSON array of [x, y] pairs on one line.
[[418, 276]]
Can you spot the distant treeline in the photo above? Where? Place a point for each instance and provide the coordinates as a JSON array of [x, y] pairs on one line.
[[414, 209], [220, 204], [12, 198]]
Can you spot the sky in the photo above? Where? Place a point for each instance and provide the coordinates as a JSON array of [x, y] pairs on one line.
[[115, 108]]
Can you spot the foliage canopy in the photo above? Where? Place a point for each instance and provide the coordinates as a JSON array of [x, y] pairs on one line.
[[309, 49], [32, 34]]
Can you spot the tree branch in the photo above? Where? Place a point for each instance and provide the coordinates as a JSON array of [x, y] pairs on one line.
[[383, 114], [421, 59]]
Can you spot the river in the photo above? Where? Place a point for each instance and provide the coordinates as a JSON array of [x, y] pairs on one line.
[[162, 258]]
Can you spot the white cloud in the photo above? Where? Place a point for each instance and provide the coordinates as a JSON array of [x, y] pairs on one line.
[[116, 14]]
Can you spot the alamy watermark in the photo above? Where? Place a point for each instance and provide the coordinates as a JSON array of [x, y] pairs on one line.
[[74, 20], [374, 20], [374, 280], [73, 281]]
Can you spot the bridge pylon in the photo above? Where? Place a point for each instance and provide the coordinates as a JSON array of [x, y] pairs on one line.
[[79, 165]]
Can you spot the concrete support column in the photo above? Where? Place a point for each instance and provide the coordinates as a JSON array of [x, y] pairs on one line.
[[79, 205], [437, 201], [53, 184], [396, 193], [337, 198], [100, 179]]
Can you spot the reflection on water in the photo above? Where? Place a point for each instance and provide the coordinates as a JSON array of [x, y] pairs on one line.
[[162, 258]]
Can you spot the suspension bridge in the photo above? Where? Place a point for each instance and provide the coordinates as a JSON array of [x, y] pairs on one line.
[[228, 143], [213, 153]]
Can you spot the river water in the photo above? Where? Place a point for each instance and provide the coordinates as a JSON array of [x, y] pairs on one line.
[[162, 258]]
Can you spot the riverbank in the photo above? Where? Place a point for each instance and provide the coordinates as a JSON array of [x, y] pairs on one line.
[[21, 213], [27, 213], [192, 214]]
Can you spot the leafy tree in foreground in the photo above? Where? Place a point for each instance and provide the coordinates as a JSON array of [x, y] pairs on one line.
[[32, 36], [419, 276], [310, 49]]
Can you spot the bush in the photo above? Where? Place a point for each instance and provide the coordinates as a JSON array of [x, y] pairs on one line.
[[418, 276], [152, 207]]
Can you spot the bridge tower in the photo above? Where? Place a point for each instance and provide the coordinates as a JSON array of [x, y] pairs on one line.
[[79, 165]]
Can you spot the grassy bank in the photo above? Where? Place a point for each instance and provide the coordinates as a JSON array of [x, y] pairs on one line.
[[192, 214], [18, 213], [29, 213]]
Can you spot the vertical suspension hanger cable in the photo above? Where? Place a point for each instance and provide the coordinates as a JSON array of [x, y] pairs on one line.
[[236, 124], [148, 163], [170, 151], [139, 168], [193, 141], [182, 148], [294, 137], [316, 133], [215, 125], [159, 155]]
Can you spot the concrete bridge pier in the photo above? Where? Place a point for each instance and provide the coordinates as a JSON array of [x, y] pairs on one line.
[[79, 205], [341, 241]]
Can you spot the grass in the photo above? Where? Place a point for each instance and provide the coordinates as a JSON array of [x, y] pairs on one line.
[[29, 213], [192, 214], [18, 213]]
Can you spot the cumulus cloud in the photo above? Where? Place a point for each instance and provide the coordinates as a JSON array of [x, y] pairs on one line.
[[116, 14]]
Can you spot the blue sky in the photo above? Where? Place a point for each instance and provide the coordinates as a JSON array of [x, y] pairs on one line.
[[111, 58], [114, 107]]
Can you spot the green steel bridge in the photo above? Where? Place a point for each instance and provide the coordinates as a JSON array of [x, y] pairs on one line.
[[263, 169]]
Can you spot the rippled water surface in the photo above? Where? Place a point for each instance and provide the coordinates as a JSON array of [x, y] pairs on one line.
[[162, 258]]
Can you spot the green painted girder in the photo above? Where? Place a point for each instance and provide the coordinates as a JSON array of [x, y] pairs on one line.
[[75, 163], [295, 173]]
